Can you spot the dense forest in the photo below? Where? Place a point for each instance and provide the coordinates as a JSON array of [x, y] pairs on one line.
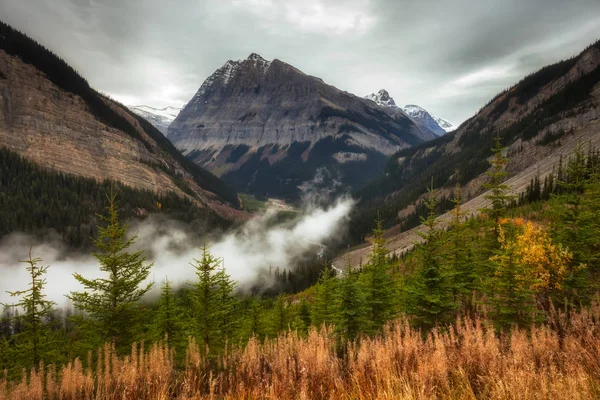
[[41, 202], [65, 77], [516, 282]]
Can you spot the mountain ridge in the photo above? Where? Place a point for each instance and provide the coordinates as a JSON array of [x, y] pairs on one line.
[[267, 127], [422, 117], [536, 119]]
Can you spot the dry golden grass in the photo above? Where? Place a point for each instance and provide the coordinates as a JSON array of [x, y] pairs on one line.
[[467, 361]]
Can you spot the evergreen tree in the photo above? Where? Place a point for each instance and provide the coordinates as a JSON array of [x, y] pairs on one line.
[[324, 304], [228, 322], [379, 288], [459, 259], [279, 315], [575, 212], [429, 292], [111, 304], [352, 316], [255, 318], [204, 297], [167, 318], [304, 315], [32, 340], [498, 195]]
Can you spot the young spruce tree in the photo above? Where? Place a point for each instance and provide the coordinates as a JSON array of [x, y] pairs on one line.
[[498, 191], [111, 304], [32, 340], [379, 288], [429, 294]]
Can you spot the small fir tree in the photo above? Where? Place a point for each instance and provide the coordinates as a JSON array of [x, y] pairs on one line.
[[111, 304]]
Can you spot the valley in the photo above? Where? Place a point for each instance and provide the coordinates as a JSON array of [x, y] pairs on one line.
[[177, 222]]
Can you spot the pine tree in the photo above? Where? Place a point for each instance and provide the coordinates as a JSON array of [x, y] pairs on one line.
[[352, 317], [111, 304], [459, 260], [575, 212], [32, 340], [498, 195], [204, 296], [255, 318], [279, 315], [379, 288], [324, 304], [429, 295], [228, 322], [304, 315], [167, 319]]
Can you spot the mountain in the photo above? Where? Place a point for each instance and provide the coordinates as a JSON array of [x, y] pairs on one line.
[[50, 117], [382, 98], [160, 118], [444, 124], [540, 120], [428, 121], [269, 129], [419, 115]]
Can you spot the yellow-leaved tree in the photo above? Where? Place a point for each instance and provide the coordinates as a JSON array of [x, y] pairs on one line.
[[527, 268]]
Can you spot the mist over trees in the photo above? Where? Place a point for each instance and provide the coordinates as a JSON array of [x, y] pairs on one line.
[[512, 267]]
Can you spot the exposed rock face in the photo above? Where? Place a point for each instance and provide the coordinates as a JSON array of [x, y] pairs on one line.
[[160, 118], [267, 127], [55, 129]]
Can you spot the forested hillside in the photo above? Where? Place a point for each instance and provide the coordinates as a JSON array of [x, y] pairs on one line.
[[530, 118], [79, 138], [43, 202], [517, 282]]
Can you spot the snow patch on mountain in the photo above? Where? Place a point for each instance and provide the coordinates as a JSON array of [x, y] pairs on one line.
[[161, 118], [431, 122], [444, 124]]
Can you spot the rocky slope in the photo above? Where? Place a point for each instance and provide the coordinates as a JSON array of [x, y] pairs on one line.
[[268, 128], [160, 118], [539, 119], [51, 116]]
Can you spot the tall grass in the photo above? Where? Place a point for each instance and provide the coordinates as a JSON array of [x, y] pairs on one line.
[[558, 360]]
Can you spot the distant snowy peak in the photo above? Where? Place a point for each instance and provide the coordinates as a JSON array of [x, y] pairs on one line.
[[223, 75], [445, 125], [161, 118], [418, 114], [431, 121], [382, 98]]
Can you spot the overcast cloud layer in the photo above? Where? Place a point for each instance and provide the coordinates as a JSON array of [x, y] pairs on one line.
[[447, 56]]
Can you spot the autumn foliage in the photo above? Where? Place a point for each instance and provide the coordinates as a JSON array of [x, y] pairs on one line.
[[467, 361]]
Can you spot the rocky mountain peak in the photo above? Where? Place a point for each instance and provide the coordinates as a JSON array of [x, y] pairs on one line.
[[222, 76], [255, 57], [382, 98]]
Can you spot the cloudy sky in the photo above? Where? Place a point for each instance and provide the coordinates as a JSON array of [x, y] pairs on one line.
[[447, 56]]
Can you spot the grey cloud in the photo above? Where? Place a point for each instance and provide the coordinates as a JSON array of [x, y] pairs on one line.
[[447, 56]]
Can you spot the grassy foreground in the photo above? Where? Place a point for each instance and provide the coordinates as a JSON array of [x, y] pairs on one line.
[[558, 360]]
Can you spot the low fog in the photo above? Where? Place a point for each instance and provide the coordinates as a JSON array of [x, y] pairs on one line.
[[260, 243]]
